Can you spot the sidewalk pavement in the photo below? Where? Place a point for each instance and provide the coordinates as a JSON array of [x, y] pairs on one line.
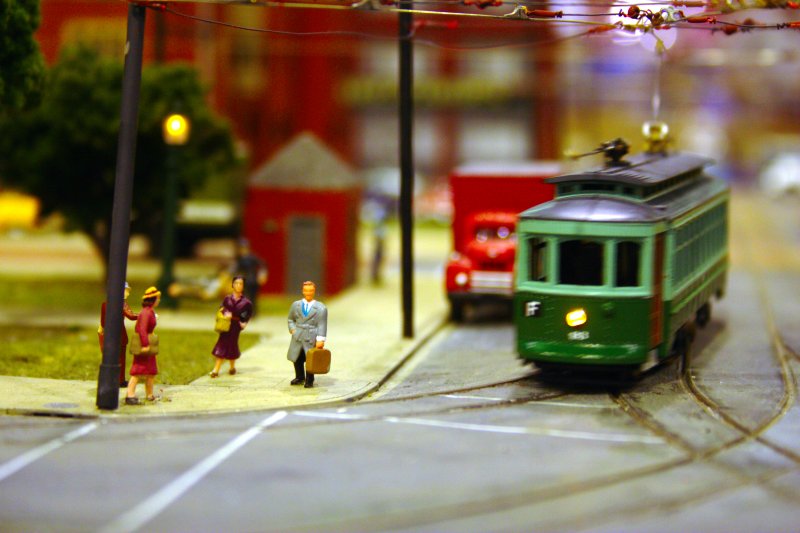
[[364, 336]]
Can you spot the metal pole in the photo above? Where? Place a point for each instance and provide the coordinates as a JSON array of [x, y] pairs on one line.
[[406, 166], [108, 379]]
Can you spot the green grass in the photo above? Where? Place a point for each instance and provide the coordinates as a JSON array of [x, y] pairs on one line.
[[74, 353], [85, 296], [75, 295]]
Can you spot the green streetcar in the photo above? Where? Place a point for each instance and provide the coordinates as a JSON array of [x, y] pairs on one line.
[[615, 272]]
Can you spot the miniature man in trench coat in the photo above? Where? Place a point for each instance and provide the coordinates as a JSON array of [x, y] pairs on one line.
[[308, 324]]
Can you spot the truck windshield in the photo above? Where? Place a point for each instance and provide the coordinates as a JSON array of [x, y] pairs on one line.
[[485, 233]]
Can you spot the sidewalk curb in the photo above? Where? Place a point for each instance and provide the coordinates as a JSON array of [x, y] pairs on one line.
[[411, 351]]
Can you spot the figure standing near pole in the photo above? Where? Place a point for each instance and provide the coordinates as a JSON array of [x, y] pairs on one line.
[[144, 348], [128, 313]]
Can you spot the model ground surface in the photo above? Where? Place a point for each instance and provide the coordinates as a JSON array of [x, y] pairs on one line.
[[461, 437]]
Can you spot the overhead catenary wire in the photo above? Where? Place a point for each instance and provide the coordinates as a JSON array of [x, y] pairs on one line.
[[635, 20], [361, 34]]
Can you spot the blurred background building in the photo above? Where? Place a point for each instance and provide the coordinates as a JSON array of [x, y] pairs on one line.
[[484, 90], [493, 103]]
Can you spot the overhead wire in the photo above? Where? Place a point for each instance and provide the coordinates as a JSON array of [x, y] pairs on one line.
[[634, 20], [361, 34]]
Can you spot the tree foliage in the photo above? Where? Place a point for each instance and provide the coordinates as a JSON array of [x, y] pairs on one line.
[[21, 63], [64, 151]]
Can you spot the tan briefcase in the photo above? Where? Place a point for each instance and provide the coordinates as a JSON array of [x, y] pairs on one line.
[[136, 344], [318, 361]]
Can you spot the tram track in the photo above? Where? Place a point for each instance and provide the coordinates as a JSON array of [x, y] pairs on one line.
[[693, 454], [752, 238], [713, 409], [539, 495], [526, 498], [686, 377], [542, 495], [514, 498]]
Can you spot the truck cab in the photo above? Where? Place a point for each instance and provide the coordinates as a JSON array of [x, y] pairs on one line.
[[487, 197]]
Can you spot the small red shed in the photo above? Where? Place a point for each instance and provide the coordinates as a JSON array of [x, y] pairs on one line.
[[301, 217]]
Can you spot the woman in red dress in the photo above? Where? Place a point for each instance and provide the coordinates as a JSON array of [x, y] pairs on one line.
[[240, 310], [144, 364]]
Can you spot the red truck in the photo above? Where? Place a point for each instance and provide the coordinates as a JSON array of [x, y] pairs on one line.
[[487, 197]]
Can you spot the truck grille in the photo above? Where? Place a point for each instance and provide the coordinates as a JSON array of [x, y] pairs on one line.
[[492, 282]]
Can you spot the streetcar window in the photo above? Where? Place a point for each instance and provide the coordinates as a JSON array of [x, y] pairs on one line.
[[628, 257], [596, 187], [537, 259], [580, 262]]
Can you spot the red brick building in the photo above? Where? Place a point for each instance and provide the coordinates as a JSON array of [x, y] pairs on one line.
[[334, 73]]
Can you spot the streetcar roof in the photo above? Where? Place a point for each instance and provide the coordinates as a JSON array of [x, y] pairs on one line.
[[641, 169], [612, 208], [594, 208]]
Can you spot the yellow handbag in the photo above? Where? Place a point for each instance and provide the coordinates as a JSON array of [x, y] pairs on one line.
[[222, 323]]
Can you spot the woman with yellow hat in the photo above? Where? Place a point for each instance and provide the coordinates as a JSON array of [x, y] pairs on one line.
[[144, 362]]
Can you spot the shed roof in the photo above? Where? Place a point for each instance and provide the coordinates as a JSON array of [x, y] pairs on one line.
[[305, 163]]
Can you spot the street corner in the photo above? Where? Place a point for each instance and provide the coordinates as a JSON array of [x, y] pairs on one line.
[[52, 397]]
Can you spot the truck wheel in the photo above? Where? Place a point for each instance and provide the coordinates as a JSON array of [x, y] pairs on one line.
[[703, 315], [456, 311]]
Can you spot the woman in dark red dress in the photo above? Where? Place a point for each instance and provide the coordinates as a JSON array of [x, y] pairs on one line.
[[144, 364], [240, 310]]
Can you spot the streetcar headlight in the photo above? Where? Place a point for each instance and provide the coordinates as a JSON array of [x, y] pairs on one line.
[[576, 318], [461, 279]]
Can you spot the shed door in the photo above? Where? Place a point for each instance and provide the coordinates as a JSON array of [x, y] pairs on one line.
[[305, 253]]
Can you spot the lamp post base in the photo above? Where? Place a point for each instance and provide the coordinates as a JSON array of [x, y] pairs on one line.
[[108, 387]]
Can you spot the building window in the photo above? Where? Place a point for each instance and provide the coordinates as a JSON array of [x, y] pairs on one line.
[[377, 140], [493, 138]]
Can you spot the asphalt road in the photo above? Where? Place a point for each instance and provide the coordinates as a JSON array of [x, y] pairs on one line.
[[464, 438]]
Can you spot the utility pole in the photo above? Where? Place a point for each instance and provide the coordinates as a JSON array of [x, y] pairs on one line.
[[406, 165], [108, 378]]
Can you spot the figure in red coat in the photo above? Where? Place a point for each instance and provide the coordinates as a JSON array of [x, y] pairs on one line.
[[144, 364], [128, 313]]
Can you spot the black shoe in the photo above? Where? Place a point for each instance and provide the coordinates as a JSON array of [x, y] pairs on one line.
[[131, 400], [123, 384], [308, 384], [297, 381]]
